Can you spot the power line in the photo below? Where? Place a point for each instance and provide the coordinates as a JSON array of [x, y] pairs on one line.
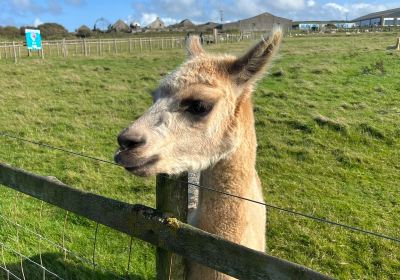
[[216, 191]]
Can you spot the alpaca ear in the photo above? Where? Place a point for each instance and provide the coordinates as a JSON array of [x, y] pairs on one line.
[[193, 46], [250, 66]]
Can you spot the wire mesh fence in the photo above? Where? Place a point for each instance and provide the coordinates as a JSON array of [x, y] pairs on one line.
[[40, 241]]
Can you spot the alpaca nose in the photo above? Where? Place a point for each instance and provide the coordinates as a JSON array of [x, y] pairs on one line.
[[131, 140]]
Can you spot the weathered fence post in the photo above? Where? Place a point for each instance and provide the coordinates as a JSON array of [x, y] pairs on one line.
[[398, 44], [115, 46], [14, 52], [84, 46], [141, 45], [171, 199], [64, 48], [215, 33], [129, 45]]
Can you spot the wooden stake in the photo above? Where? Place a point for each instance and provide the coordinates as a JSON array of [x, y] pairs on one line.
[[171, 199], [14, 52]]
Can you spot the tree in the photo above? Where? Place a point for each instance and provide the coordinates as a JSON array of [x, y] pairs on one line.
[[22, 29], [83, 32], [9, 31], [52, 30]]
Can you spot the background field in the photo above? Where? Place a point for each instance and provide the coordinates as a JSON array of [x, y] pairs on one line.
[[328, 127]]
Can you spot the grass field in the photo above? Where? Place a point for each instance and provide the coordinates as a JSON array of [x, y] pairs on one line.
[[328, 127]]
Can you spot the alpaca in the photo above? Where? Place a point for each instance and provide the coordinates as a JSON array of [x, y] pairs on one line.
[[202, 119]]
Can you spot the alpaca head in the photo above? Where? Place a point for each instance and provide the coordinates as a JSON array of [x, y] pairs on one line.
[[192, 123]]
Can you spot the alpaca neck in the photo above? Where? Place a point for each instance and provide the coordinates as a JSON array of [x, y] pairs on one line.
[[225, 215]]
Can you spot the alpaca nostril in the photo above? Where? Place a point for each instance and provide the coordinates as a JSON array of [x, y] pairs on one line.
[[131, 140]]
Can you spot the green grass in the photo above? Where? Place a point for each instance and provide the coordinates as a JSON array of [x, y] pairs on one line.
[[327, 121]]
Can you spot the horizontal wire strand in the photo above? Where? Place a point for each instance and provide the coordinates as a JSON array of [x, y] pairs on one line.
[[10, 272], [216, 191], [63, 249], [30, 260]]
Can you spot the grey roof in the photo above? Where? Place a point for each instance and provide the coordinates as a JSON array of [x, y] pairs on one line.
[[387, 13], [186, 23]]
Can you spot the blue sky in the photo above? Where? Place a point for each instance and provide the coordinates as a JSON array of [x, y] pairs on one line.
[[73, 13]]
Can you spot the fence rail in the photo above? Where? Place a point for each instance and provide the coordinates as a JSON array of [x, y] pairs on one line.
[[157, 228]]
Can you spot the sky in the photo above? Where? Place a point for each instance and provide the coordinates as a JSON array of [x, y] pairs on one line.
[[74, 13]]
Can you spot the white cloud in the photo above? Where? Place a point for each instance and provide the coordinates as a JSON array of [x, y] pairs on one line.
[[171, 11], [37, 22], [21, 4], [147, 18], [75, 2], [168, 21], [337, 7]]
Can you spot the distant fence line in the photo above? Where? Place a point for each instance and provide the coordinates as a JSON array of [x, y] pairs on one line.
[[87, 47]]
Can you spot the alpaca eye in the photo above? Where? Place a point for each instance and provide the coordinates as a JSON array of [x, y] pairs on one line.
[[199, 108]]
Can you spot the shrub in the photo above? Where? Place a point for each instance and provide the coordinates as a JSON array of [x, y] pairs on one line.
[[83, 32], [52, 30]]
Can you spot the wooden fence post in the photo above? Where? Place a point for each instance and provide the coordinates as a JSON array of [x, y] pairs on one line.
[[141, 45], [398, 44], [84, 46], [14, 52], [129, 45], [115, 46], [171, 199], [64, 48]]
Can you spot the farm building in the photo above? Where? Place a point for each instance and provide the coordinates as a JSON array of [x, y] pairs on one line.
[[208, 26], [383, 18], [120, 26], [320, 25], [157, 24], [262, 22], [184, 25]]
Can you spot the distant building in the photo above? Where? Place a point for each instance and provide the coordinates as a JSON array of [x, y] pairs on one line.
[[208, 26], [262, 22], [157, 24], [383, 18], [120, 26], [184, 25], [320, 25]]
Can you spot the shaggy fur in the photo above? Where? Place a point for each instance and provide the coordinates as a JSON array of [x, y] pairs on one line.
[[170, 138]]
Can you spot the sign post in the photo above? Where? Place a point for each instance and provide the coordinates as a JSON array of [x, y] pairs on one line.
[[33, 40]]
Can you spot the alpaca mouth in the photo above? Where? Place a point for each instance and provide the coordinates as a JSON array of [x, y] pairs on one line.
[[137, 166], [142, 163]]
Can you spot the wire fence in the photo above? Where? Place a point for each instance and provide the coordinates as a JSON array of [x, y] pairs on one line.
[[212, 189], [29, 249], [17, 261]]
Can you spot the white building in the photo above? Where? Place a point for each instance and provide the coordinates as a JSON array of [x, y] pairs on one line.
[[383, 18]]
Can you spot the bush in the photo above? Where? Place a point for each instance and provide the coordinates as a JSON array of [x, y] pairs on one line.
[[83, 31], [52, 30], [9, 31], [22, 29]]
